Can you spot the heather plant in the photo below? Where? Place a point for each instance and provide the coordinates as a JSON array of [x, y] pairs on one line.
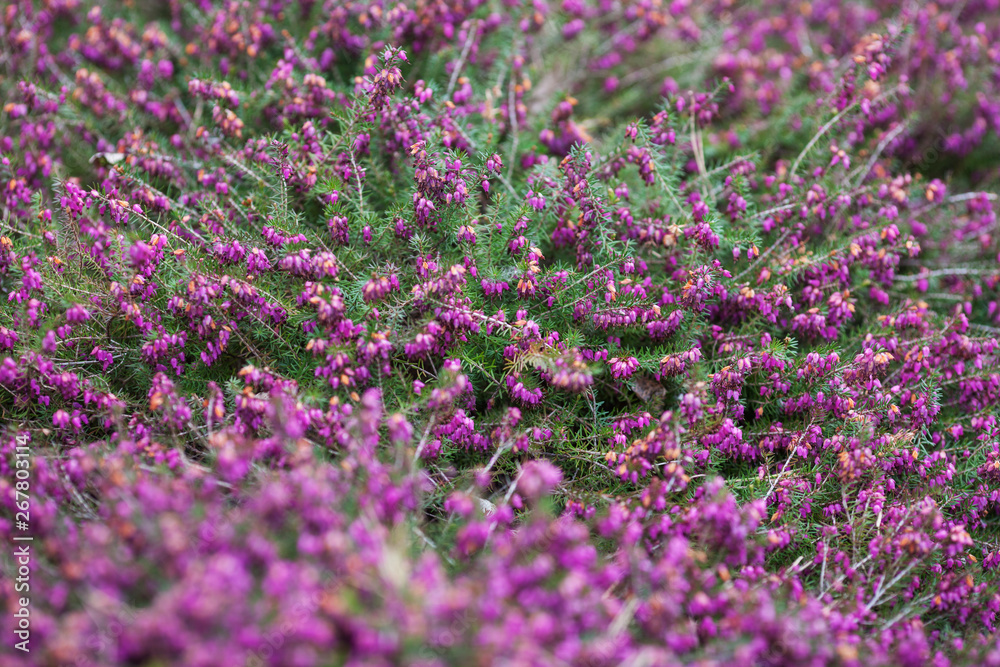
[[348, 333]]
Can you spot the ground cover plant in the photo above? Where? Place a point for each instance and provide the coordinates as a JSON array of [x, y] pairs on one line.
[[499, 332]]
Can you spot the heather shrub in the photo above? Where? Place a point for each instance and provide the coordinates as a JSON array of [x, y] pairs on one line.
[[348, 333]]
